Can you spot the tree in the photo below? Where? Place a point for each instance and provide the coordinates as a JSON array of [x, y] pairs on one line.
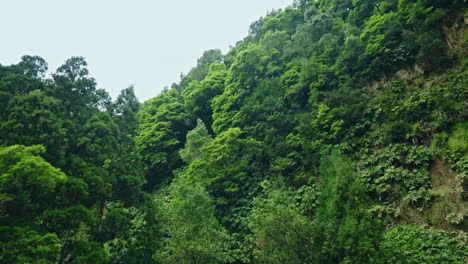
[[20, 245], [74, 69], [198, 96], [196, 140], [347, 231], [221, 168], [199, 72], [250, 64], [160, 135], [125, 109], [35, 118], [77, 89], [194, 235], [283, 233], [131, 234], [33, 66], [14, 84], [210, 56], [27, 180]]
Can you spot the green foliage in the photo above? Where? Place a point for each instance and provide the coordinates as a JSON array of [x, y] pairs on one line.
[[199, 72], [160, 134], [459, 139], [198, 96], [348, 234], [77, 89], [33, 66], [131, 235], [392, 173], [381, 34], [282, 233], [194, 235], [63, 220], [250, 64], [286, 21], [196, 140], [68, 125], [20, 245], [126, 108], [419, 244], [223, 167], [34, 118], [314, 90], [85, 252], [324, 124], [27, 181]]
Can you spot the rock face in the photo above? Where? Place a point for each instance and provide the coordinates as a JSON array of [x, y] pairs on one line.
[[454, 35]]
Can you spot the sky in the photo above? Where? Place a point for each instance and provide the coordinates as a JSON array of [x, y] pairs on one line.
[[145, 43]]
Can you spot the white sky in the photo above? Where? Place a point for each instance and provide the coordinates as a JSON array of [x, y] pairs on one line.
[[147, 43]]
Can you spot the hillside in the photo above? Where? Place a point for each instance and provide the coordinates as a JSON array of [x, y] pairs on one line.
[[335, 132]]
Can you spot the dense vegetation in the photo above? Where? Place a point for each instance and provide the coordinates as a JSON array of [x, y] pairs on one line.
[[336, 132]]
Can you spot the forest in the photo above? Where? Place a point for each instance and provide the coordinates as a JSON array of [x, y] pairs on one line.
[[336, 131]]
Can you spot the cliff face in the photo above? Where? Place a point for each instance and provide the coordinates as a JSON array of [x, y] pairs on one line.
[[443, 203], [455, 35]]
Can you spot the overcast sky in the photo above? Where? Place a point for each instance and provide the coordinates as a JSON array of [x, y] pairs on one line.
[[147, 43]]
